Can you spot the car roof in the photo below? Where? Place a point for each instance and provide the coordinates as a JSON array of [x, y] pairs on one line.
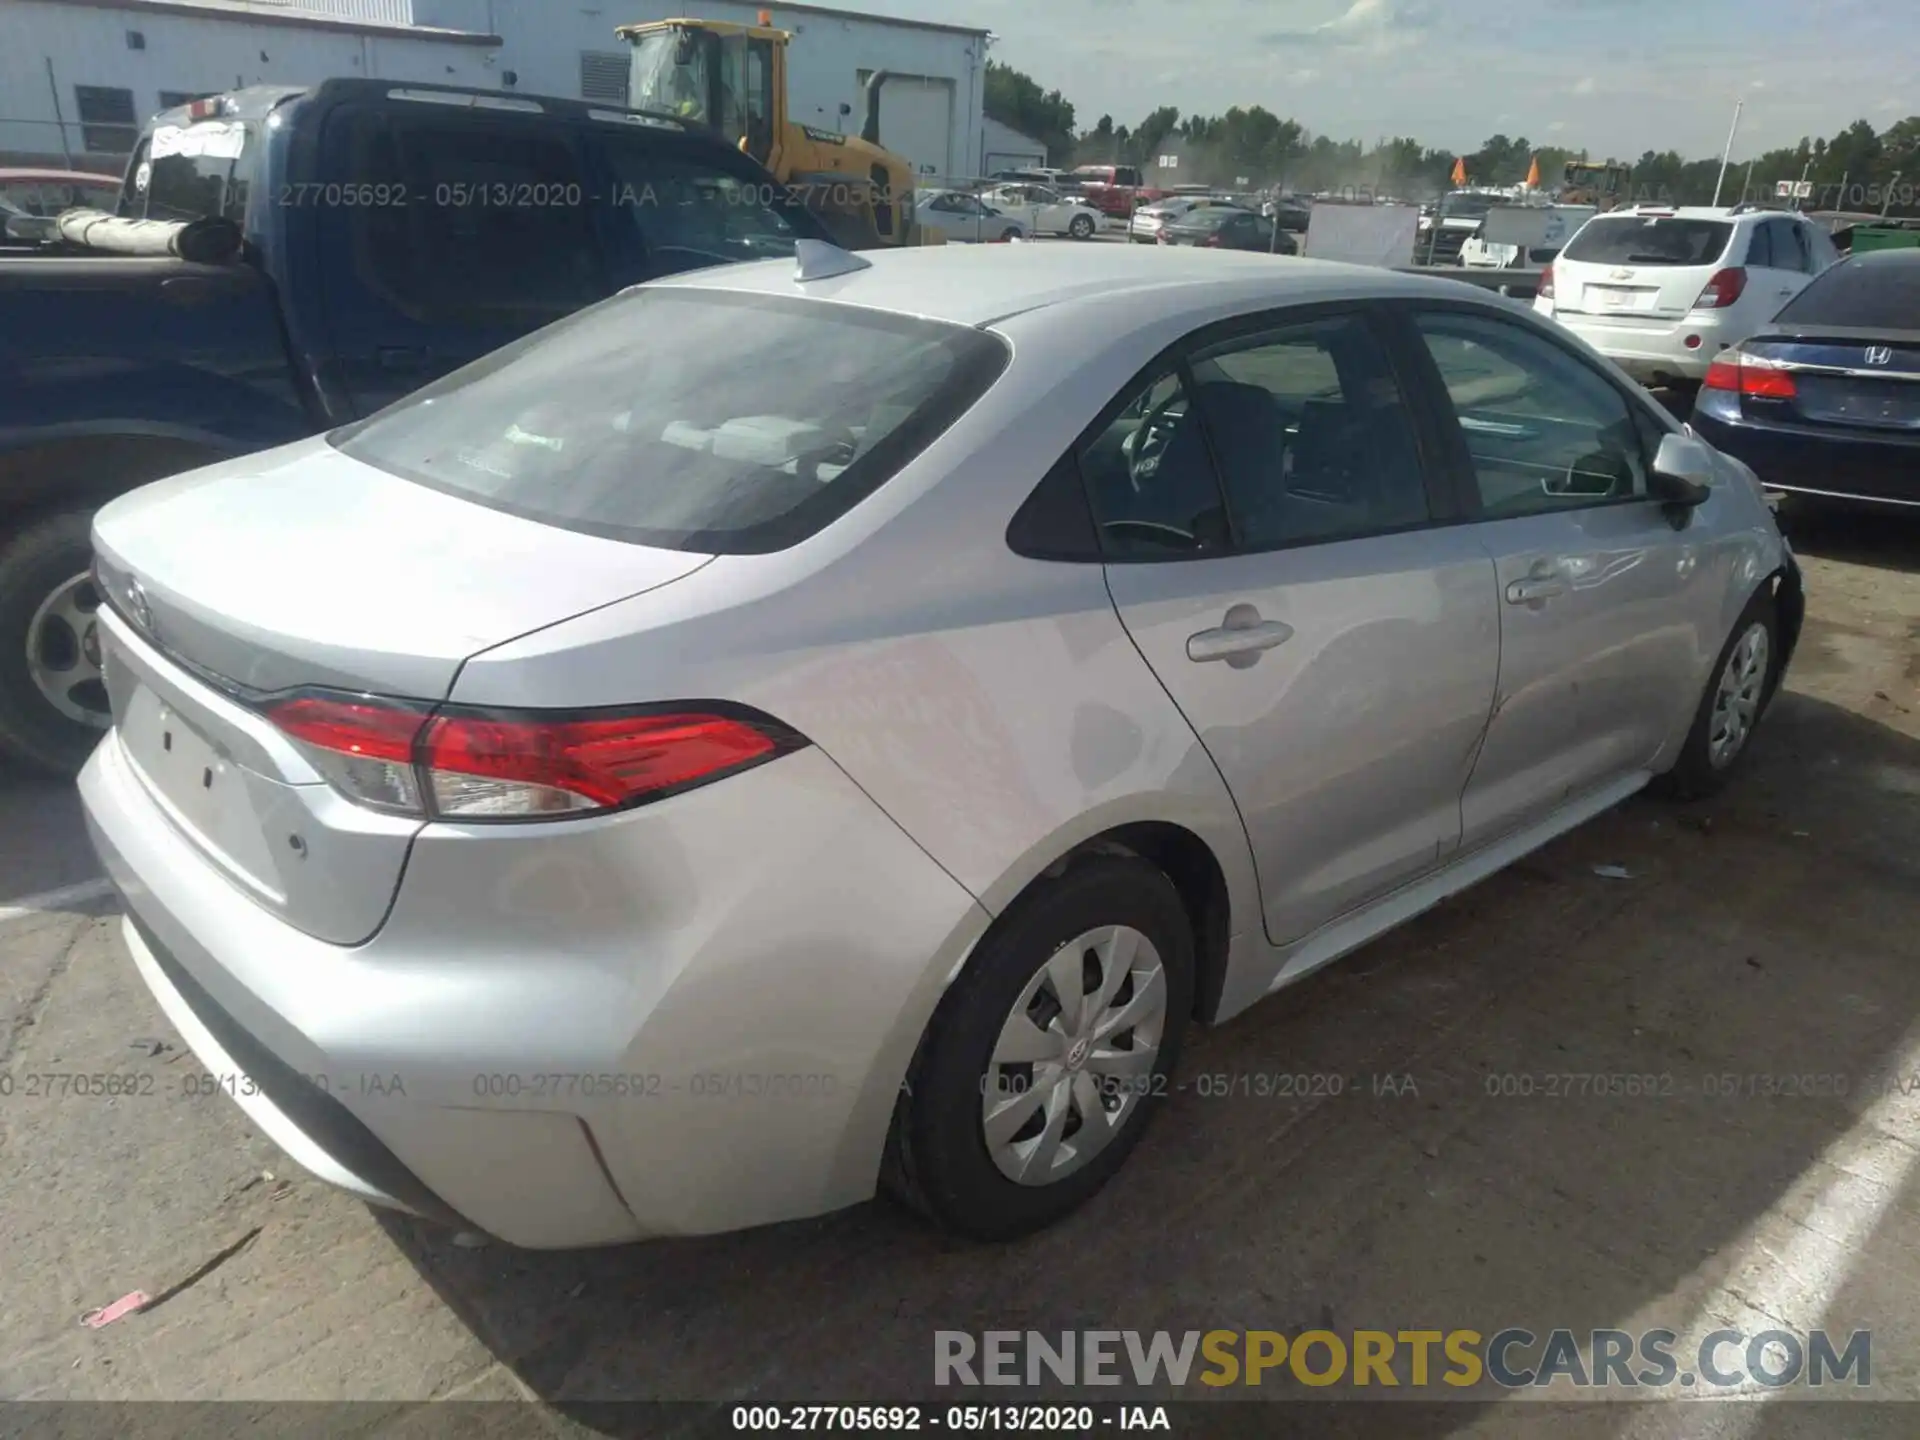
[[979, 284], [1693, 212]]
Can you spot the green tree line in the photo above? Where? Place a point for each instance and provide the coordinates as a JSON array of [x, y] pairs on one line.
[[1859, 169]]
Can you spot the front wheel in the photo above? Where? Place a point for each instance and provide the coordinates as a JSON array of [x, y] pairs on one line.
[[53, 701], [1081, 228], [1049, 1055], [1737, 696]]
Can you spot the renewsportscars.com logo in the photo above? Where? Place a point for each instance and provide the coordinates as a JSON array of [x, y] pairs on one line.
[[1513, 1358]]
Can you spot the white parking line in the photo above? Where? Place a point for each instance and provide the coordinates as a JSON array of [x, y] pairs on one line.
[[49, 900]]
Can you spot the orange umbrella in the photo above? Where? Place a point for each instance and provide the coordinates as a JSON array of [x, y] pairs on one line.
[[1460, 171], [1533, 174]]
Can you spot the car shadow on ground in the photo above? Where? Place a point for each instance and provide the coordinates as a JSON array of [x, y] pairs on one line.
[[1884, 538], [1767, 933]]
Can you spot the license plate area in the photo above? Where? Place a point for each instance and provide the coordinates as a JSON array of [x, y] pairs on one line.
[[206, 793], [1606, 298], [1886, 404]]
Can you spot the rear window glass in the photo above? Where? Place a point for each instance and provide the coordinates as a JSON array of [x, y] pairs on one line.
[[1643, 240], [1859, 293], [688, 419]]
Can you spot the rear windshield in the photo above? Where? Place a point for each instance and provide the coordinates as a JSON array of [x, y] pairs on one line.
[[1645, 240], [1865, 294], [688, 419]]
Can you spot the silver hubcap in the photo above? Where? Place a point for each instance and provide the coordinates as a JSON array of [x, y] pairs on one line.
[[1736, 703], [63, 652], [1075, 1056]]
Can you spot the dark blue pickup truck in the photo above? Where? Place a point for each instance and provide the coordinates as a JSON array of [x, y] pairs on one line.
[[381, 234]]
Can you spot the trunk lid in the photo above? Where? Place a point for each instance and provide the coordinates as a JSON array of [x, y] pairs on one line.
[[299, 568], [1853, 379], [307, 567]]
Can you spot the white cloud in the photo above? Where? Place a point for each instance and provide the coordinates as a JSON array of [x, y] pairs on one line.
[[1556, 127], [1756, 85], [1586, 86], [1302, 77]]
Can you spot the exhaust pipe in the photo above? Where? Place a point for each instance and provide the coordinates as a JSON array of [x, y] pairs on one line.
[[870, 127]]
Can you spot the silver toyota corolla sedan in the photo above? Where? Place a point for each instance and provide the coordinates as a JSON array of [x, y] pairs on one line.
[[820, 725]]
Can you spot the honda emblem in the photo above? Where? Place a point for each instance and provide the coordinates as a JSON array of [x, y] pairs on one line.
[[1879, 354]]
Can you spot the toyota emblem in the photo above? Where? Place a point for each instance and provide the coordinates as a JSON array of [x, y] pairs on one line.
[[137, 603], [1879, 354]]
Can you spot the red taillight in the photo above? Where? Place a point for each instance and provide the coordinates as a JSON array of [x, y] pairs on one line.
[[483, 765], [364, 747], [1215, 240], [1723, 289], [1545, 291], [1749, 375], [205, 109]]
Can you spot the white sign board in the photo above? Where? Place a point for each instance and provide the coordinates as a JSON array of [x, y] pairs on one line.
[[1168, 162], [1537, 227], [1793, 189], [1362, 234]]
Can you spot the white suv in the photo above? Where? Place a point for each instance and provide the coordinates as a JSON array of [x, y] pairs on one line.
[[1662, 291]]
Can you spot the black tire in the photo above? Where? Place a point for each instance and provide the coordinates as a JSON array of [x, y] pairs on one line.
[[1080, 228], [1012, 232], [33, 564], [939, 1163], [1695, 775]]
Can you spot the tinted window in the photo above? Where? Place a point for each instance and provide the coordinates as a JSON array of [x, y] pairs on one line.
[[1644, 240], [1802, 238], [1760, 247], [1869, 293], [688, 419], [1544, 430], [690, 215], [1151, 479], [494, 227], [1313, 439]]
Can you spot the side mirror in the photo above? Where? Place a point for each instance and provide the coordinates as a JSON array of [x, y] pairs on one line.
[[1683, 470]]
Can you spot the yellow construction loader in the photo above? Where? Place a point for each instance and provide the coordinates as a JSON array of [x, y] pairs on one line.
[[733, 79], [1589, 182]]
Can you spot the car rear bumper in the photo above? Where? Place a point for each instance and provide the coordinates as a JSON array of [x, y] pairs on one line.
[[683, 1019], [1652, 351], [1867, 469]]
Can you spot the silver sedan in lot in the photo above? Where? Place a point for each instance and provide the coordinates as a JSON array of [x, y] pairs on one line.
[[806, 727]]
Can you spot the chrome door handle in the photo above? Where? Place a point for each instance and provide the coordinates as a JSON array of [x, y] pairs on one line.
[[1530, 592], [1230, 642]]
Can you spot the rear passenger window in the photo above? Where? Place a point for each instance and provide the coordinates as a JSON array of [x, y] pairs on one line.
[[1760, 247], [1313, 437], [1544, 430], [495, 227]]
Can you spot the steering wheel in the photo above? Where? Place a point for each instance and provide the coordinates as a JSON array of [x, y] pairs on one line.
[[1149, 442], [1154, 530]]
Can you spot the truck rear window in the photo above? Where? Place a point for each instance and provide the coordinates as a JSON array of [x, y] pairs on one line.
[[688, 419], [1644, 240]]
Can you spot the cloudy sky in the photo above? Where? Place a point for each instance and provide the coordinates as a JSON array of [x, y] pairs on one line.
[[1617, 76]]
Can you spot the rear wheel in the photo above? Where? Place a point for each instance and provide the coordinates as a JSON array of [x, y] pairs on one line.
[[53, 702], [1049, 1055]]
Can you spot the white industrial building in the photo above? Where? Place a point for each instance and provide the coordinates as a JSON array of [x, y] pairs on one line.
[[1004, 148], [77, 77]]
